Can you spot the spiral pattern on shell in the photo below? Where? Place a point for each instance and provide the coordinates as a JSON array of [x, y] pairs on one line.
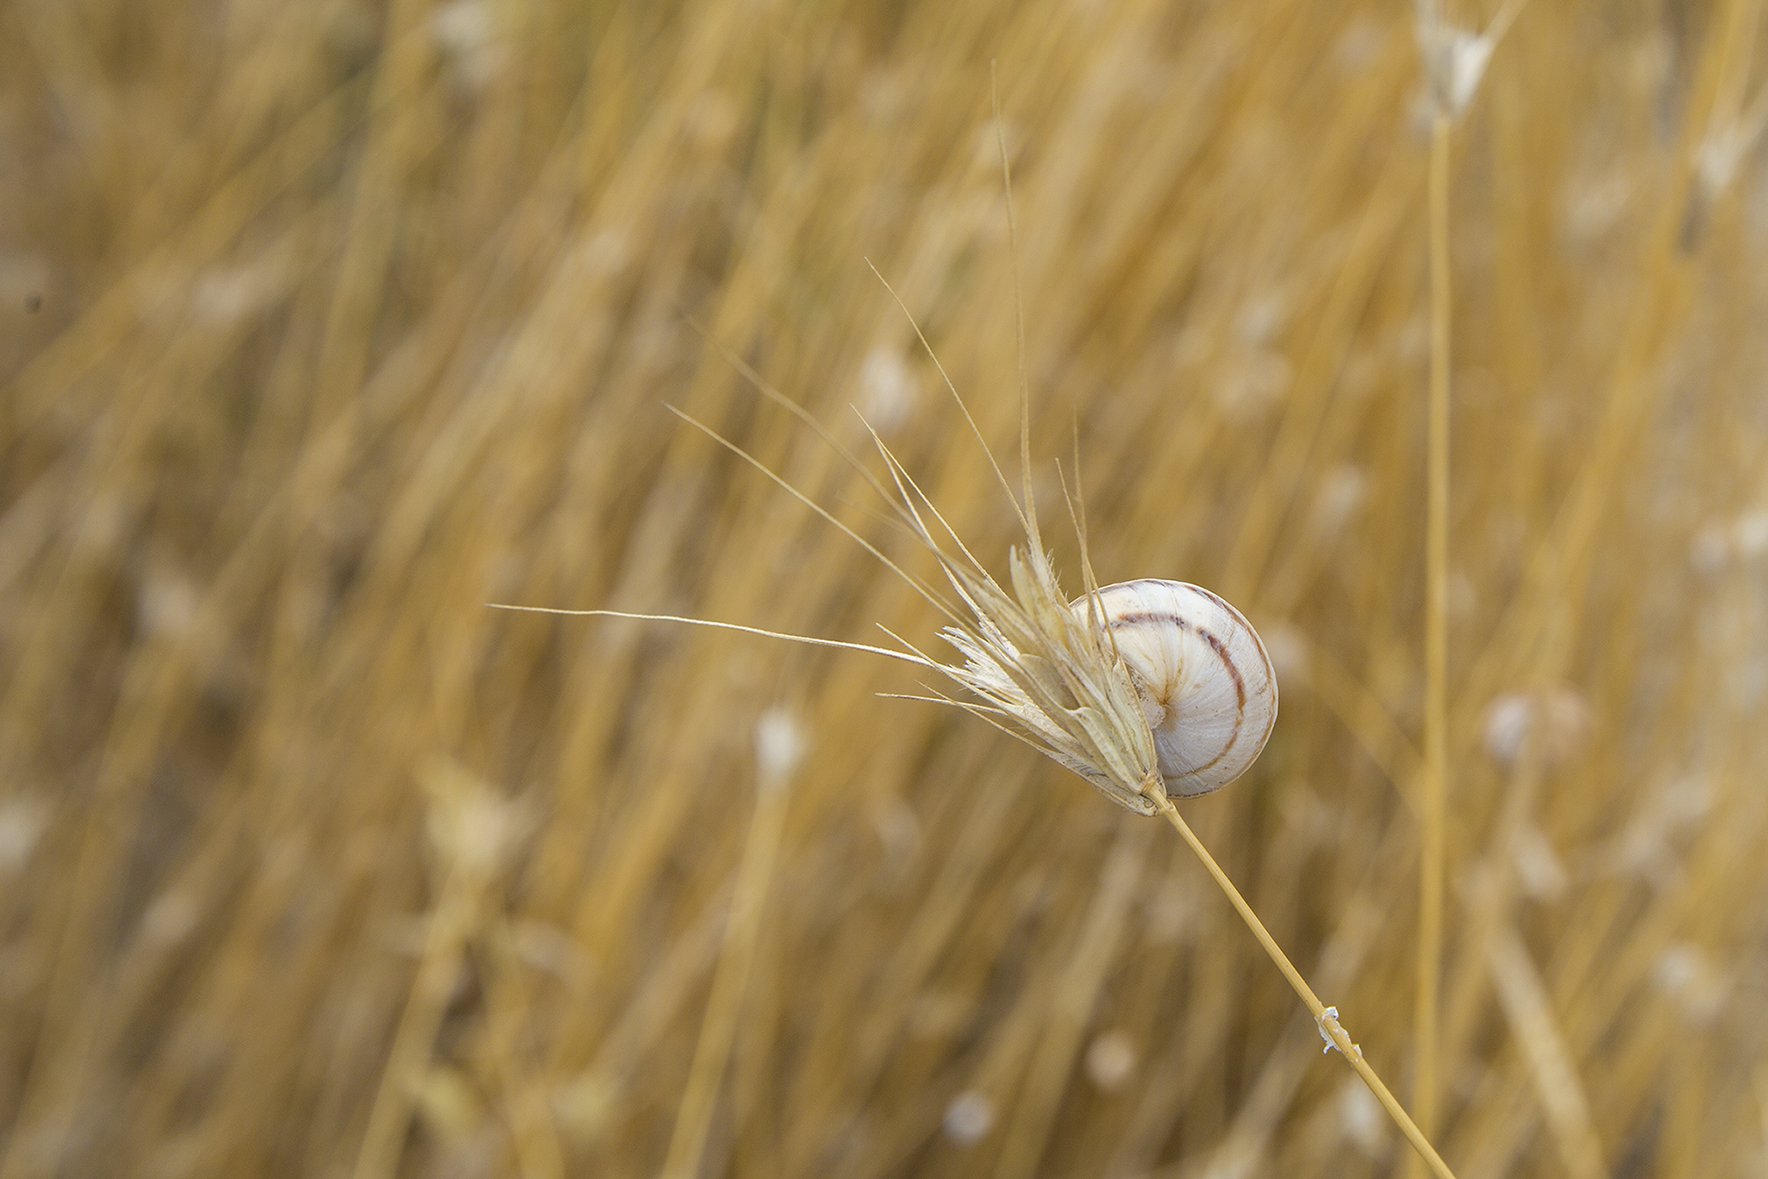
[[1206, 685]]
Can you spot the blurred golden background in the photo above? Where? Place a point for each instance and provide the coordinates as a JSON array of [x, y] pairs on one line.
[[324, 324]]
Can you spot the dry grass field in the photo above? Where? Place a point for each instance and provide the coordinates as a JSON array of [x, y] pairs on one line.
[[324, 324]]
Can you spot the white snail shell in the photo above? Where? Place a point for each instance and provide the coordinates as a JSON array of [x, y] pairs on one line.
[[1205, 682]]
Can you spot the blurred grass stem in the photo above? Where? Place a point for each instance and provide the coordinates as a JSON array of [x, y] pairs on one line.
[[730, 982], [1431, 868]]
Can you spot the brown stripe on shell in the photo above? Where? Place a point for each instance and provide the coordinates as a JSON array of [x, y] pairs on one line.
[[1143, 617], [1270, 671]]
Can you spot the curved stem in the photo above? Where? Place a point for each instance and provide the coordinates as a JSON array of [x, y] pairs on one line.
[[1325, 1017]]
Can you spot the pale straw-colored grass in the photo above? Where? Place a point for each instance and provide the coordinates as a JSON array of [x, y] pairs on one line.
[[322, 325]]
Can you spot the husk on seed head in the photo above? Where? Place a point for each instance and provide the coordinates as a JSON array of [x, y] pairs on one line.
[[1053, 679]]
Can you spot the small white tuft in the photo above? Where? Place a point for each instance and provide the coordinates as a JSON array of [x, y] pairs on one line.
[[1687, 974], [1553, 725], [1252, 382], [1360, 1117], [468, 38], [969, 1118], [1341, 498], [22, 823], [1291, 652], [779, 745], [227, 295], [172, 917], [1538, 866], [887, 393], [1111, 1060], [473, 828], [1458, 68], [1737, 540], [1455, 60], [1262, 318]]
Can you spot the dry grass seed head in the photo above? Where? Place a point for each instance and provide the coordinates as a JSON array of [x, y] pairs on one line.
[[1051, 675]]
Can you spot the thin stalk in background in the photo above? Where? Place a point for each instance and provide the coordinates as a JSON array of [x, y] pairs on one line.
[[1455, 63], [779, 747], [1431, 868]]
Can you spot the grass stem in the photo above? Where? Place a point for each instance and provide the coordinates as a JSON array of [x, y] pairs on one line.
[[1326, 1018], [1431, 868]]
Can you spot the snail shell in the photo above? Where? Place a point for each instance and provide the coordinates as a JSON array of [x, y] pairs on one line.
[[1205, 682]]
